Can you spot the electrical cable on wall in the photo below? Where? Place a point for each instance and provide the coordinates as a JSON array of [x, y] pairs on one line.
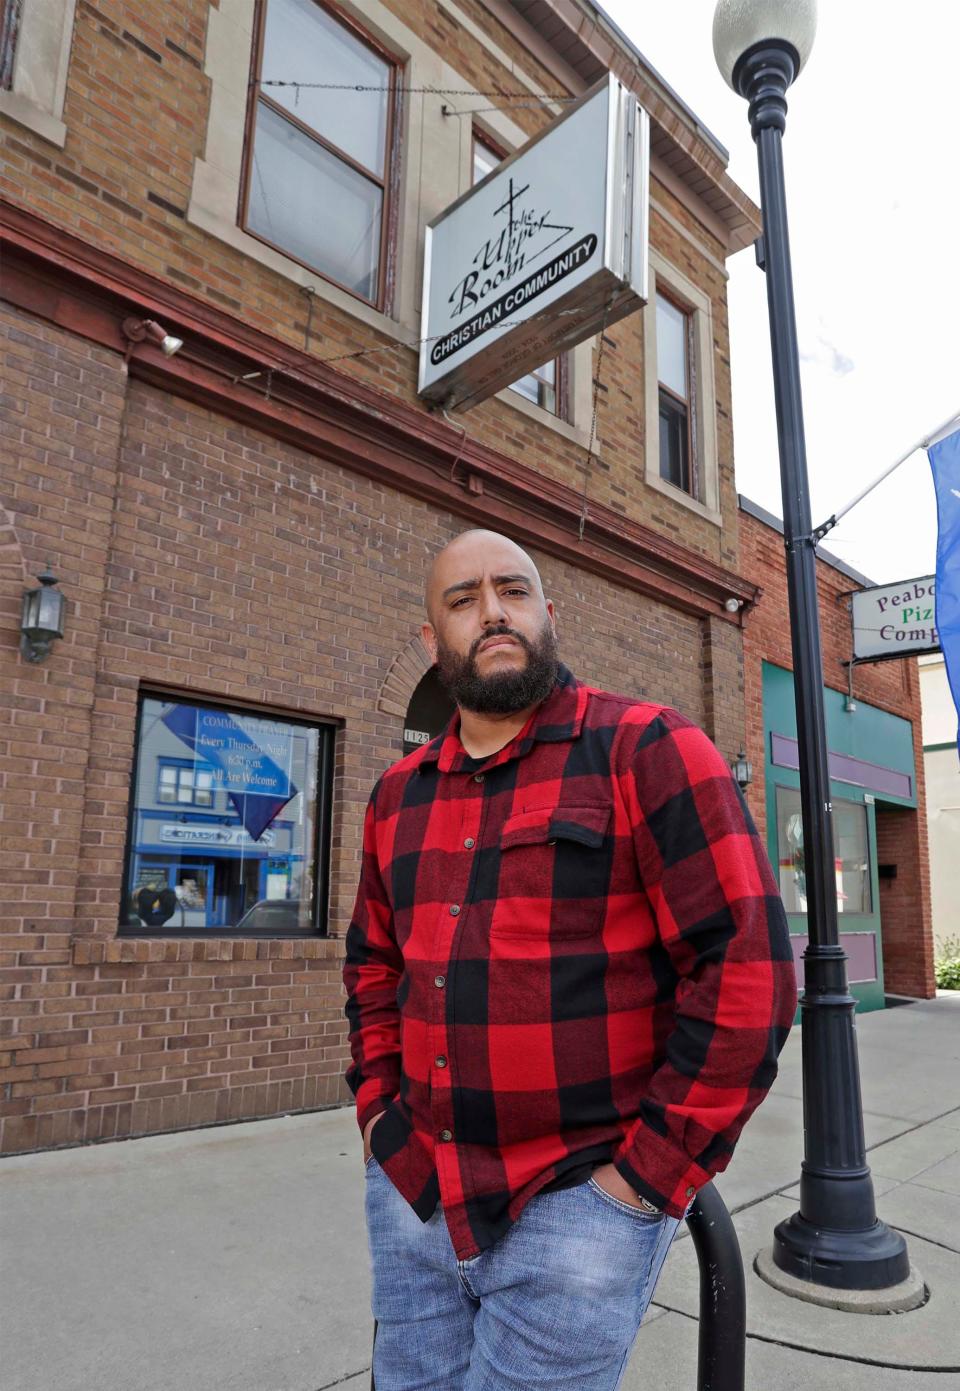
[[416, 91], [593, 425], [514, 100]]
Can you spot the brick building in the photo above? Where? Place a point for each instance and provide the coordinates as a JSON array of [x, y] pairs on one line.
[[241, 529], [875, 743]]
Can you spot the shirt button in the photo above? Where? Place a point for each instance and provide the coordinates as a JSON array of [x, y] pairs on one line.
[[454, 909], [478, 777], [469, 843], [441, 1061], [446, 1134], [439, 981], [690, 1192]]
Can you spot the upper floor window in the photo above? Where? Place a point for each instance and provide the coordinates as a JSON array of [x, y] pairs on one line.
[[317, 182], [35, 42], [675, 359], [543, 386]]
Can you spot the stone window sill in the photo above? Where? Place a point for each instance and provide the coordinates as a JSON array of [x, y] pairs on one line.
[[92, 951], [27, 113], [660, 485]]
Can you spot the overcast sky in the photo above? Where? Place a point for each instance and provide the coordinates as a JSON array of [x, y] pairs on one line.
[[872, 155]]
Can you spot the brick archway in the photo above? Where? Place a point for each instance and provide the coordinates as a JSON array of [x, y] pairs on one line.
[[408, 670]]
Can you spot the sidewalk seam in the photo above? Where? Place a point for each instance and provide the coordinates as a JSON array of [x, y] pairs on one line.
[[830, 1356], [931, 1241], [347, 1376], [931, 1120]]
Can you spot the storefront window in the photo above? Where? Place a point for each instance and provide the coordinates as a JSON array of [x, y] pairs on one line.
[[228, 822], [851, 854]]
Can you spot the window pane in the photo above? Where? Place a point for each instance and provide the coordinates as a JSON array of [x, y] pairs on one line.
[[209, 863], [672, 347], [311, 204], [674, 443], [529, 387], [852, 858], [305, 44], [851, 854], [483, 161]]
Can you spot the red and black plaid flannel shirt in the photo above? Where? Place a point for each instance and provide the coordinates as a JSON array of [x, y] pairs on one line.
[[568, 953]]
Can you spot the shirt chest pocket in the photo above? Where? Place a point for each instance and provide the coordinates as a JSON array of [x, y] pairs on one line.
[[554, 872]]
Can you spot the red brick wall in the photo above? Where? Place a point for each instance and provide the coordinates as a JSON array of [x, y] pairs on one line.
[[907, 958], [892, 686], [204, 557], [136, 111]]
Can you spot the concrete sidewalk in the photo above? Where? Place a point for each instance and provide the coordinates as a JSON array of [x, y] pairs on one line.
[[233, 1259]]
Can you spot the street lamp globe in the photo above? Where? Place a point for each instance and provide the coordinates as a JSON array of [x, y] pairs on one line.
[[740, 25]]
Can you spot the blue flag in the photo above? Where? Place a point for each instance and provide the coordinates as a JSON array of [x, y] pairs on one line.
[[945, 461], [256, 784]]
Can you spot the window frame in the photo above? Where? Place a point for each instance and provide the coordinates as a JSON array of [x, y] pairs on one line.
[[667, 280], [479, 136], [41, 61], [321, 841], [11, 19], [389, 184], [688, 403]]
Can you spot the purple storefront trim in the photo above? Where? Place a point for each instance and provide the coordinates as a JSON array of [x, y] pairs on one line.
[[861, 949], [785, 753]]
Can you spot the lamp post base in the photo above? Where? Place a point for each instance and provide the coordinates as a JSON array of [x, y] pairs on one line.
[[870, 1259], [890, 1299]]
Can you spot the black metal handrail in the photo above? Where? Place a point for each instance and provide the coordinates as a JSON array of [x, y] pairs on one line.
[[721, 1354], [723, 1295]]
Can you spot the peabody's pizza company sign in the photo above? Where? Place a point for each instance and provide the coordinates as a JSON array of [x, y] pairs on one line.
[[551, 245], [895, 620]]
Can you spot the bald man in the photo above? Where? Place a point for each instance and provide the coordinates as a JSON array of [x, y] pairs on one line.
[[569, 978]]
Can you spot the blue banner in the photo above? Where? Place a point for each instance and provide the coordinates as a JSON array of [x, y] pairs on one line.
[[244, 767], [945, 462]]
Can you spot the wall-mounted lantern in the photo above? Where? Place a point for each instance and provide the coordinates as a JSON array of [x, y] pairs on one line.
[[41, 621], [742, 769]]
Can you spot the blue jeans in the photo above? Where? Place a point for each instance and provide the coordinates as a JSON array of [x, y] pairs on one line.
[[556, 1303]]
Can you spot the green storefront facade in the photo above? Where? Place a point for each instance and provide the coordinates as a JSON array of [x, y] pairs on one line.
[[873, 775]]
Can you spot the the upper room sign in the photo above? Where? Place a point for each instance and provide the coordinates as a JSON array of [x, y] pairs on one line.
[[542, 252]]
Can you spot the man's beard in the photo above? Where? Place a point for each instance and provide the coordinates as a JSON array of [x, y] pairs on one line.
[[503, 692]]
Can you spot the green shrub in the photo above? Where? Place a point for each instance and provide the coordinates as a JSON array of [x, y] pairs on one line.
[[946, 964]]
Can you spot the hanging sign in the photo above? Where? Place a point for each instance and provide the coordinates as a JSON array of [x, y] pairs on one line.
[[540, 254], [895, 620]]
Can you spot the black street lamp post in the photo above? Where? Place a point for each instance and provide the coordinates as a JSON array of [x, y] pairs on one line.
[[835, 1239]]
